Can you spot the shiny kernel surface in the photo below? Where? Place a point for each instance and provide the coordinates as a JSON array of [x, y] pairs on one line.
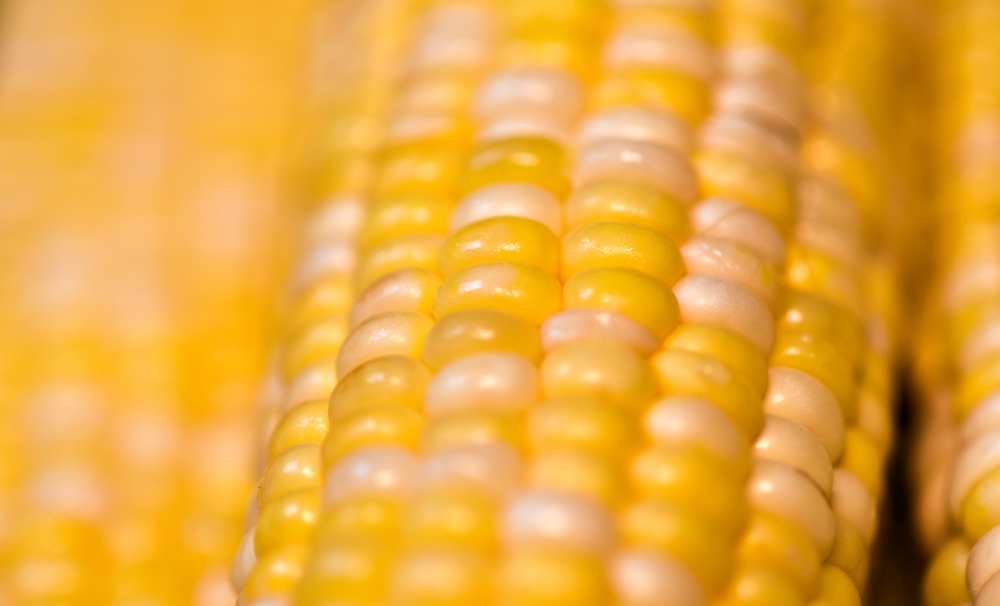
[[524, 160], [393, 379], [525, 291], [473, 331], [627, 202], [498, 239], [613, 244], [639, 296]]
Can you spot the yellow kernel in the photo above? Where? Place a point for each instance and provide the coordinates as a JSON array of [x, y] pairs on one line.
[[685, 95], [401, 290], [757, 586], [409, 252], [975, 385], [452, 517], [316, 342], [641, 297], [362, 515], [591, 425], [814, 272], [544, 46], [728, 174], [837, 589], [436, 577], [353, 570], [980, 510], [328, 296], [389, 334], [418, 169], [808, 314], [579, 472], [731, 348], [944, 582], [628, 202], [287, 520], [684, 534], [609, 372], [608, 244], [402, 216], [306, 423], [533, 577], [521, 159], [399, 380], [276, 573], [523, 290], [296, 468], [693, 374], [780, 546], [815, 357], [863, 457], [850, 553], [694, 480], [375, 425], [499, 239], [472, 331], [474, 427]]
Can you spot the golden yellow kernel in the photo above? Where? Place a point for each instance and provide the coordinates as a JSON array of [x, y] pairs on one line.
[[944, 582], [287, 520], [685, 95], [591, 425], [276, 573], [315, 342], [512, 239], [815, 357], [695, 480], [306, 423], [451, 516], [611, 244], [728, 174], [472, 331], [474, 427], [373, 516], [806, 313], [520, 159], [294, 469], [731, 348], [532, 577], [681, 533], [863, 457], [523, 290], [602, 371], [816, 273], [850, 553], [407, 252], [419, 169], [399, 380], [402, 216], [688, 373], [641, 297], [374, 425], [579, 472], [628, 202], [782, 547]]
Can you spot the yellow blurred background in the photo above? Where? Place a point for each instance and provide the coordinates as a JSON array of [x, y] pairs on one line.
[[144, 171]]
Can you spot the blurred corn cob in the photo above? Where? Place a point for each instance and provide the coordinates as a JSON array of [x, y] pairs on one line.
[[141, 148], [954, 464], [568, 303]]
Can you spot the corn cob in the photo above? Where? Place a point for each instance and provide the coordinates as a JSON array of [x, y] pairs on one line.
[[549, 390], [954, 466]]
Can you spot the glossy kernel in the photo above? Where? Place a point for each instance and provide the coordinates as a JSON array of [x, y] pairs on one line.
[[522, 159], [523, 290], [404, 216], [639, 296], [611, 244], [731, 348], [628, 202], [375, 425], [591, 425], [611, 373], [401, 290], [408, 252], [389, 334], [510, 239], [306, 423], [779, 545], [287, 520], [297, 468], [399, 380]]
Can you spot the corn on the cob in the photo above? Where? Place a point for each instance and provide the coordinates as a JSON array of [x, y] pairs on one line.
[[613, 382]]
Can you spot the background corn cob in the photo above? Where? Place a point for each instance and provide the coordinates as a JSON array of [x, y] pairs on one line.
[[524, 420], [143, 145], [953, 464]]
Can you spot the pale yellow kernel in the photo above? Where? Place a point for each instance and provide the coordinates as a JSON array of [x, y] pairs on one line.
[[487, 381], [710, 299], [474, 427], [596, 325], [401, 290], [799, 397], [388, 334], [787, 442]]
